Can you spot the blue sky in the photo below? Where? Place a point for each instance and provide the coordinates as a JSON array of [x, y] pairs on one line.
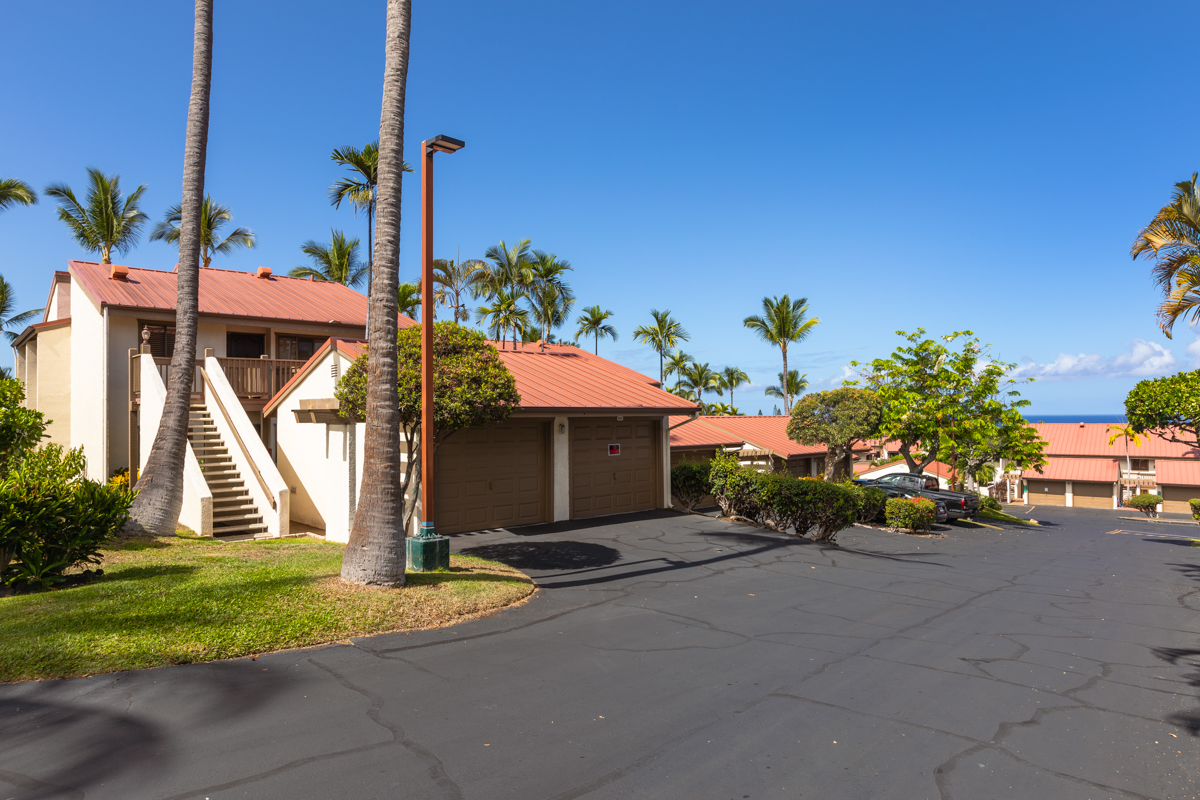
[[938, 165]]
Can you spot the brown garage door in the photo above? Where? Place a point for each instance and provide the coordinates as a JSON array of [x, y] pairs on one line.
[[1091, 495], [492, 477], [1175, 498], [613, 484], [1047, 493]]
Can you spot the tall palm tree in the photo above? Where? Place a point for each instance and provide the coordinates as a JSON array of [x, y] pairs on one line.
[[594, 322], [159, 500], [13, 324], [213, 217], [16, 192], [783, 321], [106, 222], [731, 378], [504, 314], [700, 379], [797, 384], [337, 261], [1124, 432], [511, 269], [408, 299], [1182, 299], [1172, 239], [550, 298], [454, 280], [665, 334], [676, 364], [360, 187], [375, 553]]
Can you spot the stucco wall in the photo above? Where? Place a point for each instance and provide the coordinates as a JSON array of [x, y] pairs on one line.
[[53, 389], [87, 376], [122, 335]]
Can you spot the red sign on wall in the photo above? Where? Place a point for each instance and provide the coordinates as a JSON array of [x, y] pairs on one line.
[[614, 449]]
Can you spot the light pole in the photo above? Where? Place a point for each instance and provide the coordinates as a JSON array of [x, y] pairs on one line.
[[428, 551]]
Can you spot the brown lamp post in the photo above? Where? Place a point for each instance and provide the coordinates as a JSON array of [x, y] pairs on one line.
[[428, 550]]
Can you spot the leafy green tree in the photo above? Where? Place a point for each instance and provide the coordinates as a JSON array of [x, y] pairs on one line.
[[13, 324], [994, 432], [408, 300], [453, 281], [797, 385], [1168, 408], [16, 192], [106, 222], [731, 378], [676, 364], [360, 187], [784, 321], [472, 387], [663, 335], [594, 322], [213, 217], [337, 261], [1172, 239], [838, 419], [700, 378], [21, 428]]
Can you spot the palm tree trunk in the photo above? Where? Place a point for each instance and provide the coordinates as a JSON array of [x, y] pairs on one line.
[[597, 342], [787, 395], [662, 376], [370, 255], [156, 509], [375, 554]]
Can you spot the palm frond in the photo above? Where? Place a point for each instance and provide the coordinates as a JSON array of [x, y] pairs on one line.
[[16, 192]]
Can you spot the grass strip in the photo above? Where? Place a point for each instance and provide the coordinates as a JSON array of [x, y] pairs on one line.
[[189, 599], [1000, 516]]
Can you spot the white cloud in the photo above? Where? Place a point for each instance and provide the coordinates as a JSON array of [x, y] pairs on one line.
[[1193, 350], [1141, 359]]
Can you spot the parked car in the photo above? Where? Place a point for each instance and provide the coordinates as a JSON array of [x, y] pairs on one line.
[[940, 512], [959, 505]]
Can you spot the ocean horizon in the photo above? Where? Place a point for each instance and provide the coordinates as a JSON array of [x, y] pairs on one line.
[[1109, 418]]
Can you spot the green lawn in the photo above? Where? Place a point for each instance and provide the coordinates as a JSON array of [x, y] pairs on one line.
[[175, 601], [1000, 516]]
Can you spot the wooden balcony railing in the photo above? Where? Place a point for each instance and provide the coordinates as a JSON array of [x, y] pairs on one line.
[[258, 378]]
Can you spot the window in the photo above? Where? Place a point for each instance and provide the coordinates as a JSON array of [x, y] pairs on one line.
[[162, 338], [298, 348], [244, 345], [1140, 464]]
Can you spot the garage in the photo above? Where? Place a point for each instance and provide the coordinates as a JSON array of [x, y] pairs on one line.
[[1086, 494], [1047, 493], [1175, 498], [493, 476], [614, 466]]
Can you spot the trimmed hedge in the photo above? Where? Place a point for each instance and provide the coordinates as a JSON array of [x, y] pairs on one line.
[[911, 513], [781, 501], [1195, 504], [1145, 503], [690, 483]]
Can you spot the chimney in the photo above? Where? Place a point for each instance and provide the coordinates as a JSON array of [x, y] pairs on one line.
[[264, 273], [117, 272]]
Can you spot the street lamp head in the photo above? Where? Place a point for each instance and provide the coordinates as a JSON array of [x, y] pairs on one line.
[[444, 144]]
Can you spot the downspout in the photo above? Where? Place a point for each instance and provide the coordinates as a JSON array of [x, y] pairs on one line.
[[104, 405]]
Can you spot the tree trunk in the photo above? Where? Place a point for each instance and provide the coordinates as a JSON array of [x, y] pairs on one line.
[[370, 255], [375, 554], [156, 509], [787, 395]]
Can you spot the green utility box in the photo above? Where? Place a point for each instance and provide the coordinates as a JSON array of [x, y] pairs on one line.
[[428, 553]]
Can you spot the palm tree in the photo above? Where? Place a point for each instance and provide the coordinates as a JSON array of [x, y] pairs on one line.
[[213, 216], [13, 324], [700, 378], [156, 508], [1124, 432], [797, 384], [454, 279], [375, 553], [594, 322], [550, 298], [106, 222], [16, 192], [731, 378], [511, 270], [360, 187], [408, 299], [1172, 239], [504, 314], [676, 364], [1182, 299], [337, 261], [665, 334], [783, 322]]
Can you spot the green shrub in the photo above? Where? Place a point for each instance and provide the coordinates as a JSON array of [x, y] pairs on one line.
[[734, 487], [911, 513], [48, 524], [869, 499], [780, 502], [989, 503], [20, 428], [690, 483], [1145, 503], [1195, 504]]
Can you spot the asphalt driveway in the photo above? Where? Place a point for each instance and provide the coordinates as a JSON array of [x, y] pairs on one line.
[[675, 656]]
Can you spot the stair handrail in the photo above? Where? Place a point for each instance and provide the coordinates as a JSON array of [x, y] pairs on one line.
[[253, 467]]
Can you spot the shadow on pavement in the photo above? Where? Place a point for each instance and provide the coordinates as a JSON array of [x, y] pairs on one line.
[[547, 555]]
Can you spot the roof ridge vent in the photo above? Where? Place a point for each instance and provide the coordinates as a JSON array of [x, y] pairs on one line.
[[264, 273], [118, 272]]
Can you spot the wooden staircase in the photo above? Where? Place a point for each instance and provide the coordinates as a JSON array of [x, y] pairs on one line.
[[234, 512]]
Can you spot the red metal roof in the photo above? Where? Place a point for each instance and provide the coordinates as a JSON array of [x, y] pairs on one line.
[[562, 379], [698, 434], [229, 293], [1091, 439], [765, 433], [1097, 470], [1177, 473]]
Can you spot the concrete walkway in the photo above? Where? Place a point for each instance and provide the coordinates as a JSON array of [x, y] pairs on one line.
[[672, 656]]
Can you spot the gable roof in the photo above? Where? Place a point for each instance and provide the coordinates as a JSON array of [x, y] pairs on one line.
[[765, 433], [562, 380], [1091, 439], [1096, 470], [229, 293], [1177, 473], [697, 434]]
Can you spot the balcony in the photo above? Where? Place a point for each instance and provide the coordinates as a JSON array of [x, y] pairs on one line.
[[252, 379]]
